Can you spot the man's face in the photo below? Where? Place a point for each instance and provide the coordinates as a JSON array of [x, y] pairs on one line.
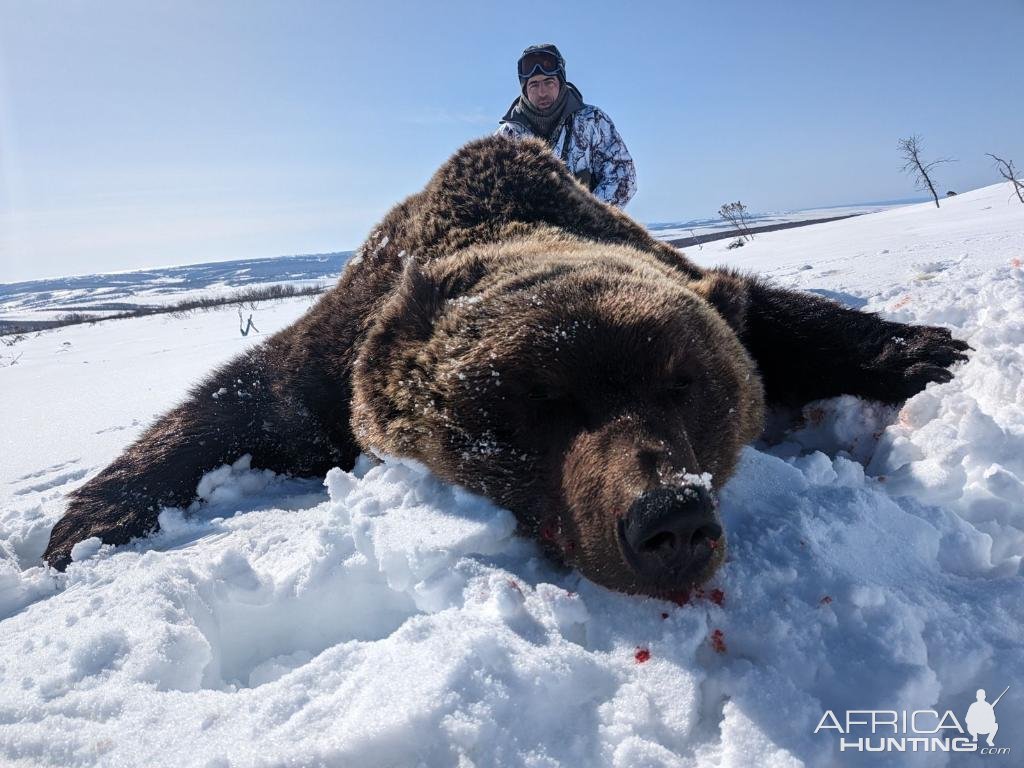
[[542, 90]]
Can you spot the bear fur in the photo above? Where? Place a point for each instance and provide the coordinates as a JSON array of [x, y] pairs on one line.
[[536, 346]]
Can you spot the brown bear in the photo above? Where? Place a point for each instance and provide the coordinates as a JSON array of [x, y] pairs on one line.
[[536, 346]]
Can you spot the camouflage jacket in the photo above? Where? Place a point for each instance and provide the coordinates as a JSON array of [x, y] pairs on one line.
[[594, 152]]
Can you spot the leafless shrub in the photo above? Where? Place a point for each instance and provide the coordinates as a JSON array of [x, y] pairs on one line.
[[74, 318], [700, 245], [736, 214], [244, 330]]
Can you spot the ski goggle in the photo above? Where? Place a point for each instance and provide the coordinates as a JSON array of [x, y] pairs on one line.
[[539, 63]]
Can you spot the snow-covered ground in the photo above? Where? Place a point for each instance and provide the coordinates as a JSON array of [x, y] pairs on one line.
[[383, 618]]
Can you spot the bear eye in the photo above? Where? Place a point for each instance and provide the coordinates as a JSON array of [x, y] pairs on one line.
[[558, 406]]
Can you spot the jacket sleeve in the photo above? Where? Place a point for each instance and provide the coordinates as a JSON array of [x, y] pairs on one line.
[[612, 163]]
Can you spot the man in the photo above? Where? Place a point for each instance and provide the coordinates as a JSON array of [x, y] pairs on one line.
[[581, 134]]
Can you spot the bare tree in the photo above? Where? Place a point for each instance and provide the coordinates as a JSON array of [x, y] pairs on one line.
[[736, 214], [1007, 171], [910, 149]]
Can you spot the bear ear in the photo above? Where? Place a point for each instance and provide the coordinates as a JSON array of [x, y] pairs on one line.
[[410, 312], [726, 292], [420, 296]]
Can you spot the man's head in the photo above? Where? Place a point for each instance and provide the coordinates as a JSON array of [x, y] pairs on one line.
[[541, 74]]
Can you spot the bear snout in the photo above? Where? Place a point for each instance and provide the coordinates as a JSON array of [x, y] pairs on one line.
[[670, 534]]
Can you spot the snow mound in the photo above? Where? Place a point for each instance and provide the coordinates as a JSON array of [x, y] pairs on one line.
[[962, 445], [401, 622]]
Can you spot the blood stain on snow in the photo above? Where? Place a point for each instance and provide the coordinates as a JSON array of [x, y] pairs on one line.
[[718, 641], [641, 655]]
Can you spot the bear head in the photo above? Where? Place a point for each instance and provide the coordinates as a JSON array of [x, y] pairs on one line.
[[595, 393]]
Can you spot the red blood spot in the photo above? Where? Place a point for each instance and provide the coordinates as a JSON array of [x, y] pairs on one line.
[[664, 615], [717, 596], [718, 641], [902, 302], [1015, 263], [641, 655], [515, 585], [712, 544], [825, 600]]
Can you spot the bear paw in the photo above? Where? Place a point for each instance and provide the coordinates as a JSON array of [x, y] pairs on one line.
[[913, 356]]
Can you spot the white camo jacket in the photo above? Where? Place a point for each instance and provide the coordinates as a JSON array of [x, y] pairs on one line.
[[596, 154]]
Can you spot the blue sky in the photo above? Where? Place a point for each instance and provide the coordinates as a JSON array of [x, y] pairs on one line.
[[138, 134]]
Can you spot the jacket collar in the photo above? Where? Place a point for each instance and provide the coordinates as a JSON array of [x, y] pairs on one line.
[[515, 115]]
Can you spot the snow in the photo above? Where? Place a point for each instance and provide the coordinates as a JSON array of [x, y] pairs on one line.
[[384, 618]]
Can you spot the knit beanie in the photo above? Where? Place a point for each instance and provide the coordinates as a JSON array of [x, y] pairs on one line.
[[544, 59]]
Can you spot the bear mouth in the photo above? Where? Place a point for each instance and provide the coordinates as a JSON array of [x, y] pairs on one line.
[[667, 577]]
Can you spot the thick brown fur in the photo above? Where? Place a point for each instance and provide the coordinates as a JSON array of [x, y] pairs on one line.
[[524, 340]]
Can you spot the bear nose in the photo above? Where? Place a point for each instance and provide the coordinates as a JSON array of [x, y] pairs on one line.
[[670, 531]]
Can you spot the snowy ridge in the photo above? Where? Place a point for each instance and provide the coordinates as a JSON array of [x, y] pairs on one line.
[[102, 294], [874, 563]]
